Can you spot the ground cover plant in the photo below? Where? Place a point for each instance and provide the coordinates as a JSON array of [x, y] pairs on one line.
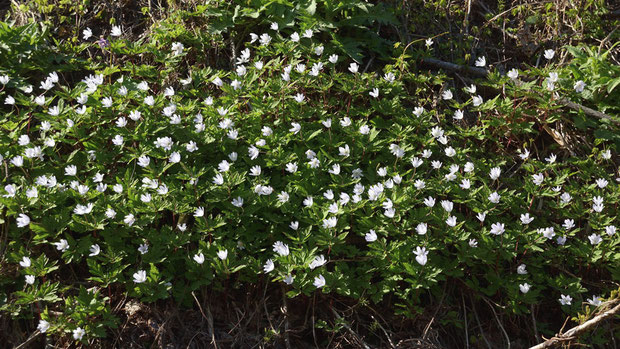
[[300, 170]]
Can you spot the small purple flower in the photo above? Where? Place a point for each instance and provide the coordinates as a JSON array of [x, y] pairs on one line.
[[103, 43]]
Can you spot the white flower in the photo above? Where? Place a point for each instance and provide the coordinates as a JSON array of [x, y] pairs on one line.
[[374, 93], [447, 95], [469, 167], [606, 154], [495, 173], [497, 228], [281, 248], [327, 123], [177, 48], [421, 228], [470, 89], [595, 239], [526, 218], [94, 250], [296, 127], [568, 224], [25, 262], [371, 236], [330, 222], [549, 54], [268, 267], [353, 67], [451, 221], [494, 197], [223, 166], [175, 157], [610, 230], [561, 240], [223, 254], [199, 258], [481, 216], [78, 333], [139, 276], [421, 255], [308, 201], [417, 111], [595, 301], [319, 281], [333, 59], [565, 198], [143, 249], [116, 31], [129, 219], [553, 77], [477, 100], [364, 129], [429, 201], [428, 42], [265, 39], [481, 62], [283, 197], [601, 183], [513, 74], [465, 184], [564, 299], [291, 167], [524, 288], [299, 97], [22, 220], [43, 326], [288, 279], [579, 86], [294, 225], [521, 269], [145, 197], [538, 178], [458, 115], [551, 159], [238, 202], [548, 232], [317, 262], [335, 170], [255, 171], [419, 184], [62, 245], [83, 209], [447, 205], [118, 140]]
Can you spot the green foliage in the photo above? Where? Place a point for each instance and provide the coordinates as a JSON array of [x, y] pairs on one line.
[[166, 172]]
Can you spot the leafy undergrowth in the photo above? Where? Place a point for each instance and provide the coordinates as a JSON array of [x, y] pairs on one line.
[[289, 195]]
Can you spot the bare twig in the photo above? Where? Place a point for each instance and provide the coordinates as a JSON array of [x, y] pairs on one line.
[[465, 320], [537, 336], [473, 306], [32, 337], [576, 331], [284, 310], [357, 338], [384, 331], [499, 323], [479, 72], [209, 319]]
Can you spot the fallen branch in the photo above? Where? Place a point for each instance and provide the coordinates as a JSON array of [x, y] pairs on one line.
[[575, 332], [482, 73]]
